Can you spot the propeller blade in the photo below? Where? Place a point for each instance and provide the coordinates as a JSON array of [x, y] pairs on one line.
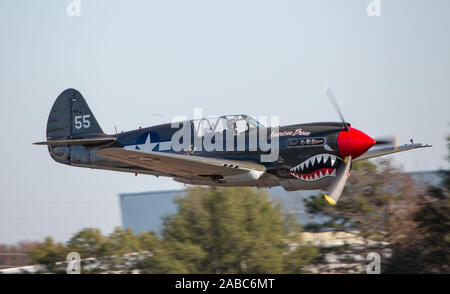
[[387, 140], [336, 188], [333, 100]]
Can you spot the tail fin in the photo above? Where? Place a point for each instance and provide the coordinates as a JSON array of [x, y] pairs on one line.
[[71, 118]]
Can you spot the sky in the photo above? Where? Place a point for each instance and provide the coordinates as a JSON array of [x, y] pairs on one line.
[[134, 59]]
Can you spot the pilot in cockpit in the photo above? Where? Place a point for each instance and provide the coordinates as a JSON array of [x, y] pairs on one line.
[[231, 125]]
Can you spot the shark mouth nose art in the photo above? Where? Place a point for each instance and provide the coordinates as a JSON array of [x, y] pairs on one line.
[[316, 168]]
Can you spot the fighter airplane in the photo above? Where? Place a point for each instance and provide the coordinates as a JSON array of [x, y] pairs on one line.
[[309, 156]]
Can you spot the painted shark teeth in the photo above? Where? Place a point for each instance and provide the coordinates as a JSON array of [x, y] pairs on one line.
[[301, 166], [314, 160], [319, 158], [303, 171]]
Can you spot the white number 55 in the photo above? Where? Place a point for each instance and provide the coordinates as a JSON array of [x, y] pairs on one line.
[[82, 121]]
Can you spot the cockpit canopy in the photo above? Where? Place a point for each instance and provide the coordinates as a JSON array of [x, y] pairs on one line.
[[239, 123]]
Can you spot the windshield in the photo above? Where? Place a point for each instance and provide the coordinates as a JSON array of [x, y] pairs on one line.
[[238, 123]]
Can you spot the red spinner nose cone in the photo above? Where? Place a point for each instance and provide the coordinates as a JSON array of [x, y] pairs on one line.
[[354, 143]]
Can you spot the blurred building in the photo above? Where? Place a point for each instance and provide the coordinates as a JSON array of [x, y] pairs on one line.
[[143, 212], [427, 178]]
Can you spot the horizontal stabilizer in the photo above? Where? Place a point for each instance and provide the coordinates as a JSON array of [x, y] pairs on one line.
[[90, 141]]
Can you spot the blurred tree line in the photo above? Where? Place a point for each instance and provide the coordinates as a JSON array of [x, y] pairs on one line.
[[216, 230], [240, 230], [15, 255], [425, 248]]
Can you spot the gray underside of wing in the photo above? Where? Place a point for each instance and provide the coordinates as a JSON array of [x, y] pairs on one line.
[[186, 166]]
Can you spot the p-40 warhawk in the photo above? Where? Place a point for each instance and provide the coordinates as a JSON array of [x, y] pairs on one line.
[[308, 156]]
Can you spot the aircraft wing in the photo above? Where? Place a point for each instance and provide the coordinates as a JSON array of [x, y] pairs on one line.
[[186, 166], [70, 142], [389, 150]]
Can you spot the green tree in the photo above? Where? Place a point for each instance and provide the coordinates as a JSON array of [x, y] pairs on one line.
[[377, 201], [148, 241], [426, 248], [124, 241], [386, 205], [90, 242], [109, 252], [228, 230], [48, 253]]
